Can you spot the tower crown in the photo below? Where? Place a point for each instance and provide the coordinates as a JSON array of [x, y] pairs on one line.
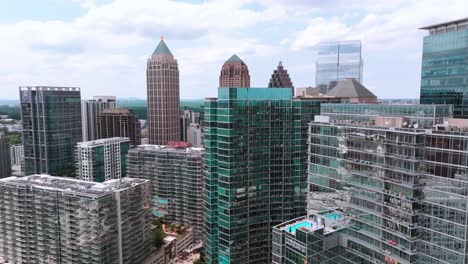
[[162, 49]]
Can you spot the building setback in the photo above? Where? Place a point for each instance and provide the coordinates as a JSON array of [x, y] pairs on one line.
[[120, 122], [51, 119], [175, 172], [90, 110], [280, 78], [162, 79], [103, 159], [444, 74], [5, 161], [255, 160], [234, 73], [50, 219]]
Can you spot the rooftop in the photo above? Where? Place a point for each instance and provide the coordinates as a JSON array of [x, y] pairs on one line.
[[330, 221], [162, 49], [234, 58], [458, 21], [150, 147], [349, 88], [48, 88], [71, 186], [103, 141]]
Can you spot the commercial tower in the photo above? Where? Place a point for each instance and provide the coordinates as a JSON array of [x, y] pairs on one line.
[[401, 189], [48, 219], [280, 78], [51, 119], [337, 61], [103, 159], [234, 73], [255, 169], [162, 79], [90, 110], [5, 159], [120, 122], [175, 173], [444, 73]]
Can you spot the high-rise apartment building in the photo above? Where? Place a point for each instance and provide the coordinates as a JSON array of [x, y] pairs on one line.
[[5, 159], [48, 219], [120, 122], [234, 73], [103, 159], [162, 78], [16, 154], [175, 172], [337, 61], [51, 119], [444, 73], [90, 110], [387, 192], [280, 78], [255, 160]]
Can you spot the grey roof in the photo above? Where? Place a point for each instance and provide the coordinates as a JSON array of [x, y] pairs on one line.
[[234, 58], [162, 49], [458, 21], [350, 88]]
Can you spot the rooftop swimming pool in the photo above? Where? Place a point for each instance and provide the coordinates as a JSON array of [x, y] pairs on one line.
[[292, 229], [334, 216]]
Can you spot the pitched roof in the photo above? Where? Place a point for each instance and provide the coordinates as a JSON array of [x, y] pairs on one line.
[[349, 88], [162, 49], [234, 58]]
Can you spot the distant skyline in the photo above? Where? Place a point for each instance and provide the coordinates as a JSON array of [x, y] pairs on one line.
[[102, 46]]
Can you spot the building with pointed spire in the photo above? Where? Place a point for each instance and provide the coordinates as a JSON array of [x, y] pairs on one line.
[[280, 78], [162, 79], [234, 73]]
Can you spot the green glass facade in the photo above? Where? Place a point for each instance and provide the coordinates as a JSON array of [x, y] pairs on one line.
[[255, 160], [51, 119], [444, 75]]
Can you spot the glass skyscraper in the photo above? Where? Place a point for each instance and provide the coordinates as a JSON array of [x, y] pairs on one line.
[[51, 128], [337, 61], [444, 74]]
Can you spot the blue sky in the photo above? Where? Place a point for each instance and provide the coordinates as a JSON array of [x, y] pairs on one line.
[[102, 46]]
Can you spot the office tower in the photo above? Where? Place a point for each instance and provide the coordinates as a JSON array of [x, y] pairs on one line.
[[5, 161], [280, 78], [255, 169], [195, 135], [234, 73], [337, 61], [48, 219], [444, 74], [175, 172], [162, 78], [399, 190], [90, 110], [51, 128], [16, 155], [353, 90], [120, 122], [103, 159]]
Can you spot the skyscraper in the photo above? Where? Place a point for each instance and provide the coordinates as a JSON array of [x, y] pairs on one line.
[[280, 78], [234, 73], [51, 128], [103, 159], [162, 79], [5, 160], [255, 169], [337, 61], [48, 219], [175, 172], [120, 122], [90, 110], [444, 74]]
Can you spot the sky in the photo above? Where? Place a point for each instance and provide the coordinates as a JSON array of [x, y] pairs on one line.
[[103, 46]]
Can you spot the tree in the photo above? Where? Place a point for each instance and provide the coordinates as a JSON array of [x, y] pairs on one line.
[[158, 237]]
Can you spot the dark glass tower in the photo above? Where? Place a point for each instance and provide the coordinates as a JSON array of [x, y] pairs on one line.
[[444, 74], [5, 161], [51, 128]]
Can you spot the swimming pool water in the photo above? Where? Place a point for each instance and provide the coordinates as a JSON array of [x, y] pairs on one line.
[[293, 228], [334, 216]]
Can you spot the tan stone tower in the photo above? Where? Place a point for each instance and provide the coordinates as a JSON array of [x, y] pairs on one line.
[[162, 79], [234, 73]]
